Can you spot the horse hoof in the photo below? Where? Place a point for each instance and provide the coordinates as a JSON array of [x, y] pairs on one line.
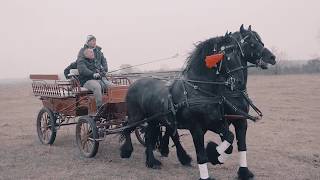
[[156, 167], [154, 164], [229, 150], [244, 173], [126, 152], [212, 153], [209, 178], [164, 154], [164, 151], [184, 159], [187, 165], [157, 162]]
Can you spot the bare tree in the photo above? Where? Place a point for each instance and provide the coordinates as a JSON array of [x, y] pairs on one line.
[[312, 66]]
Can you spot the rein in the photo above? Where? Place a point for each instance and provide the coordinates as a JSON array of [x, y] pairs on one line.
[[240, 68], [210, 98], [229, 82]]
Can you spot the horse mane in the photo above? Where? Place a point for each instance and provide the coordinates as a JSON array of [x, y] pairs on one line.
[[202, 50]]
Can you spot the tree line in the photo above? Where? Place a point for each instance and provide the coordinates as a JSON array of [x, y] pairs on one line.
[[291, 67]]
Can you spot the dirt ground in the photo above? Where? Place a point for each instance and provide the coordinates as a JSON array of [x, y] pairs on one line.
[[284, 145]]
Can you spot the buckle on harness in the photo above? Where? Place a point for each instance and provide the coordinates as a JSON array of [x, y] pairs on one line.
[[231, 81]]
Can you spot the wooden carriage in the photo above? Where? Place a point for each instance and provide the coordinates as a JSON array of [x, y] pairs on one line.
[[65, 102]]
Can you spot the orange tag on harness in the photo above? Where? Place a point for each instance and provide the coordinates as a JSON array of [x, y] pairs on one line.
[[211, 61]]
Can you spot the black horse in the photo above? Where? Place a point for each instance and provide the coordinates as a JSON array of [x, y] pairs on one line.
[[198, 99], [239, 98]]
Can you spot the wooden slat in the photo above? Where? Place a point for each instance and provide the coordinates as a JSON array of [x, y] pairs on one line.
[[117, 94], [44, 77]]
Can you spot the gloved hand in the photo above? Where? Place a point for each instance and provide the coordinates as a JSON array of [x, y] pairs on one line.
[[96, 76], [103, 73]]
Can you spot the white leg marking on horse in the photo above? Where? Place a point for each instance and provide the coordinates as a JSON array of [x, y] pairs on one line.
[[223, 157], [243, 158], [223, 146], [203, 168]]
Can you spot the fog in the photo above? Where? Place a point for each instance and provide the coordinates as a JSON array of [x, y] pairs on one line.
[[42, 36]]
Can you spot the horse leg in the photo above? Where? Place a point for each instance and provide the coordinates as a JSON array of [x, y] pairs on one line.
[[229, 150], [164, 145], [151, 139], [202, 159], [127, 148], [241, 131], [217, 153], [182, 155]]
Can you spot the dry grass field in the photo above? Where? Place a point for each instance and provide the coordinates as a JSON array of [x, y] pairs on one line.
[[284, 145]]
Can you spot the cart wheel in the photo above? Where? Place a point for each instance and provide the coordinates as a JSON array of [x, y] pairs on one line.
[[140, 134], [46, 126], [86, 133]]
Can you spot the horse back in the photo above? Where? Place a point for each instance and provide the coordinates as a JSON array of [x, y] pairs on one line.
[[150, 95]]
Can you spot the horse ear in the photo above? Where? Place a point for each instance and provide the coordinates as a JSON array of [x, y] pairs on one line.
[[227, 33], [249, 28], [242, 29]]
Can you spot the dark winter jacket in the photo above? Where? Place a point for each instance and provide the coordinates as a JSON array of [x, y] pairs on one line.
[[86, 68], [99, 58], [73, 65]]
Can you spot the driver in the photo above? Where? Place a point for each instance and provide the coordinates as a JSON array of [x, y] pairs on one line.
[[90, 76], [100, 60]]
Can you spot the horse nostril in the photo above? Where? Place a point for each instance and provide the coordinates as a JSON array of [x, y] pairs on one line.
[[273, 58]]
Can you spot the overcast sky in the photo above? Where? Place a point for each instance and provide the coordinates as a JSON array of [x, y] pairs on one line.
[[42, 36]]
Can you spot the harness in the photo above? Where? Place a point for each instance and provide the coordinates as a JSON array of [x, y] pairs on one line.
[[230, 82], [210, 98], [221, 99]]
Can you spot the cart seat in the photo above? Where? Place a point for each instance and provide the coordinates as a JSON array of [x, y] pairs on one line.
[[83, 89], [50, 85], [73, 72]]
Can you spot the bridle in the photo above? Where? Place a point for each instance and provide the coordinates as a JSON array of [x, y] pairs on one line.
[[228, 73]]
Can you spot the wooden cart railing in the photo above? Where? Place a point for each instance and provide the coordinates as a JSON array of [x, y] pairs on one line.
[[67, 97]]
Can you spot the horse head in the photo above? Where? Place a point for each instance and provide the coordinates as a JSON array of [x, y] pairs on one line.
[[253, 49]]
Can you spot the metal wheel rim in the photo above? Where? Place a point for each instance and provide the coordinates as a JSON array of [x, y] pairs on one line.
[[141, 134], [86, 138], [45, 127]]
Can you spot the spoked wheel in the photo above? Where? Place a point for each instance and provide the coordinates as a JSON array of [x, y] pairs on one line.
[[86, 135], [140, 134], [46, 126]]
